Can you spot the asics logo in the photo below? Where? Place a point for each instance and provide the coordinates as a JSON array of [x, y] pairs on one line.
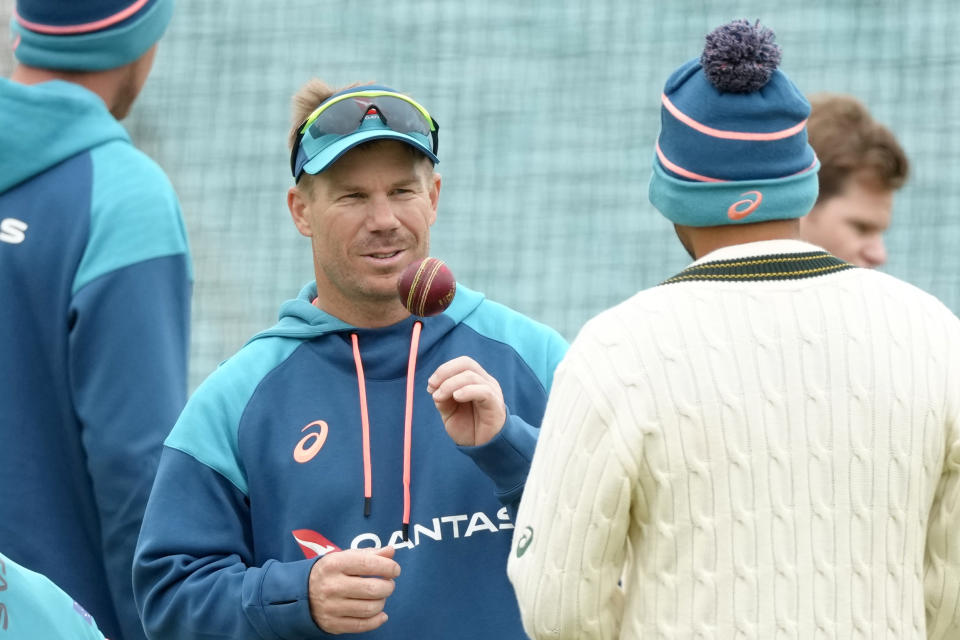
[[310, 444], [737, 211], [524, 542], [12, 230]]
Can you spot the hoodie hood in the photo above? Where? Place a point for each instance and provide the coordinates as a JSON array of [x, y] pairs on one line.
[[300, 319], [47, 123]]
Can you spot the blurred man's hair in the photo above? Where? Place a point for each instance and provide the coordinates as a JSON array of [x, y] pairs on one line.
[[849, 142]]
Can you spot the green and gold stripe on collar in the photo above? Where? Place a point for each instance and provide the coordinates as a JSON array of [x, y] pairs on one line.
[[788, 266]]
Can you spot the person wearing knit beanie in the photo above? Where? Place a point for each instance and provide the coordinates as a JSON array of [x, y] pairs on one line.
[[87, 36], [96, 280], [64, 38], [733, 147], [767, 443]]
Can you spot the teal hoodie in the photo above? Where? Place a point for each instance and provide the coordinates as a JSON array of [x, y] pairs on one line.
[[32, 607], [264, 473], [95, 283]]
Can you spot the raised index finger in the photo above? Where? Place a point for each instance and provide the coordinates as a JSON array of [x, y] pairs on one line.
[[453, 367]]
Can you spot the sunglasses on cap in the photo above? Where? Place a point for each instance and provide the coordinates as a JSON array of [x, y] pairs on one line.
[[356, 116]]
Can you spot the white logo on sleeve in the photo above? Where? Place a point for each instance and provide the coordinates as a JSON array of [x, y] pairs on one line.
[[12, 230]]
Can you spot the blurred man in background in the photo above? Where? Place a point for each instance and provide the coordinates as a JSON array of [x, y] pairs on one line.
[[861, 166], [95, 282]]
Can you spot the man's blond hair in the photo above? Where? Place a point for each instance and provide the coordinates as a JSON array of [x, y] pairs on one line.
[[307, 98]]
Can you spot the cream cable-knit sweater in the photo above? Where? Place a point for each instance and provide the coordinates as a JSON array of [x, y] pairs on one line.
[[759, 459]]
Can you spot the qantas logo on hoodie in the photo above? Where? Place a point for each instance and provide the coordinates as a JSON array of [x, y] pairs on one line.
[[313, 544], [462, 525]]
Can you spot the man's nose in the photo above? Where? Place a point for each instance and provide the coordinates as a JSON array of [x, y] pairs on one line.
[[381, 214], [875, 252]]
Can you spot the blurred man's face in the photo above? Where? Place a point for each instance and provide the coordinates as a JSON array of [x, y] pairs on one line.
[[851, 224]]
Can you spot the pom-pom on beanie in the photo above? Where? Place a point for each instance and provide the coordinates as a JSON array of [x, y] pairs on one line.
[[86, 35], [733, 144]]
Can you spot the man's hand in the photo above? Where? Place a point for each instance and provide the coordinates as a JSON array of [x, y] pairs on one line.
[[469, 400], [348, 589]]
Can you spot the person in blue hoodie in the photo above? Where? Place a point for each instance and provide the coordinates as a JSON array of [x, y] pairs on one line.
[[95, 283], [354, 469]]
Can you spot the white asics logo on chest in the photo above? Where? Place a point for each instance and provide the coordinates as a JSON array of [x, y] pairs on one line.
[[11, 230]]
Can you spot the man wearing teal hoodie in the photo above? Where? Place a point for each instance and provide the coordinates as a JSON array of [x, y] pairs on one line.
[[95, 282], [352, 470]]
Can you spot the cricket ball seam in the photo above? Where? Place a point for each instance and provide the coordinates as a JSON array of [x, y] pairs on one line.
[[429, 285], [411, 297]]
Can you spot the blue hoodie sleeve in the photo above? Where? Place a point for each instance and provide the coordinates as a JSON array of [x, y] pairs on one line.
[[128, 340], [194, 573], [128, 353], [506, 457]]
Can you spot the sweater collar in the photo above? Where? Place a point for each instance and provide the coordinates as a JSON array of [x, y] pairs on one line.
[[761, 248], [771, 260]]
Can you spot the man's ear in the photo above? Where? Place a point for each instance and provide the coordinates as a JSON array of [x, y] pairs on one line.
[[297, 203], [435, 183]]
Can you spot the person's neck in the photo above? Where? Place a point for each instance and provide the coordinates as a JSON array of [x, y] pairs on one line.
[[103, 83], [366, 318], [699, 241]]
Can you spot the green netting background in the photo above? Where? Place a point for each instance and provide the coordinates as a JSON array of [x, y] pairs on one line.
[[548, 114]]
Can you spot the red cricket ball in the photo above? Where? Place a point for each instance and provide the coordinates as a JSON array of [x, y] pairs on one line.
[[426, 287]]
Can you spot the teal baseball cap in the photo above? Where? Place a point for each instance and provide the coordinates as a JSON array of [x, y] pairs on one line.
[[357, 115]]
